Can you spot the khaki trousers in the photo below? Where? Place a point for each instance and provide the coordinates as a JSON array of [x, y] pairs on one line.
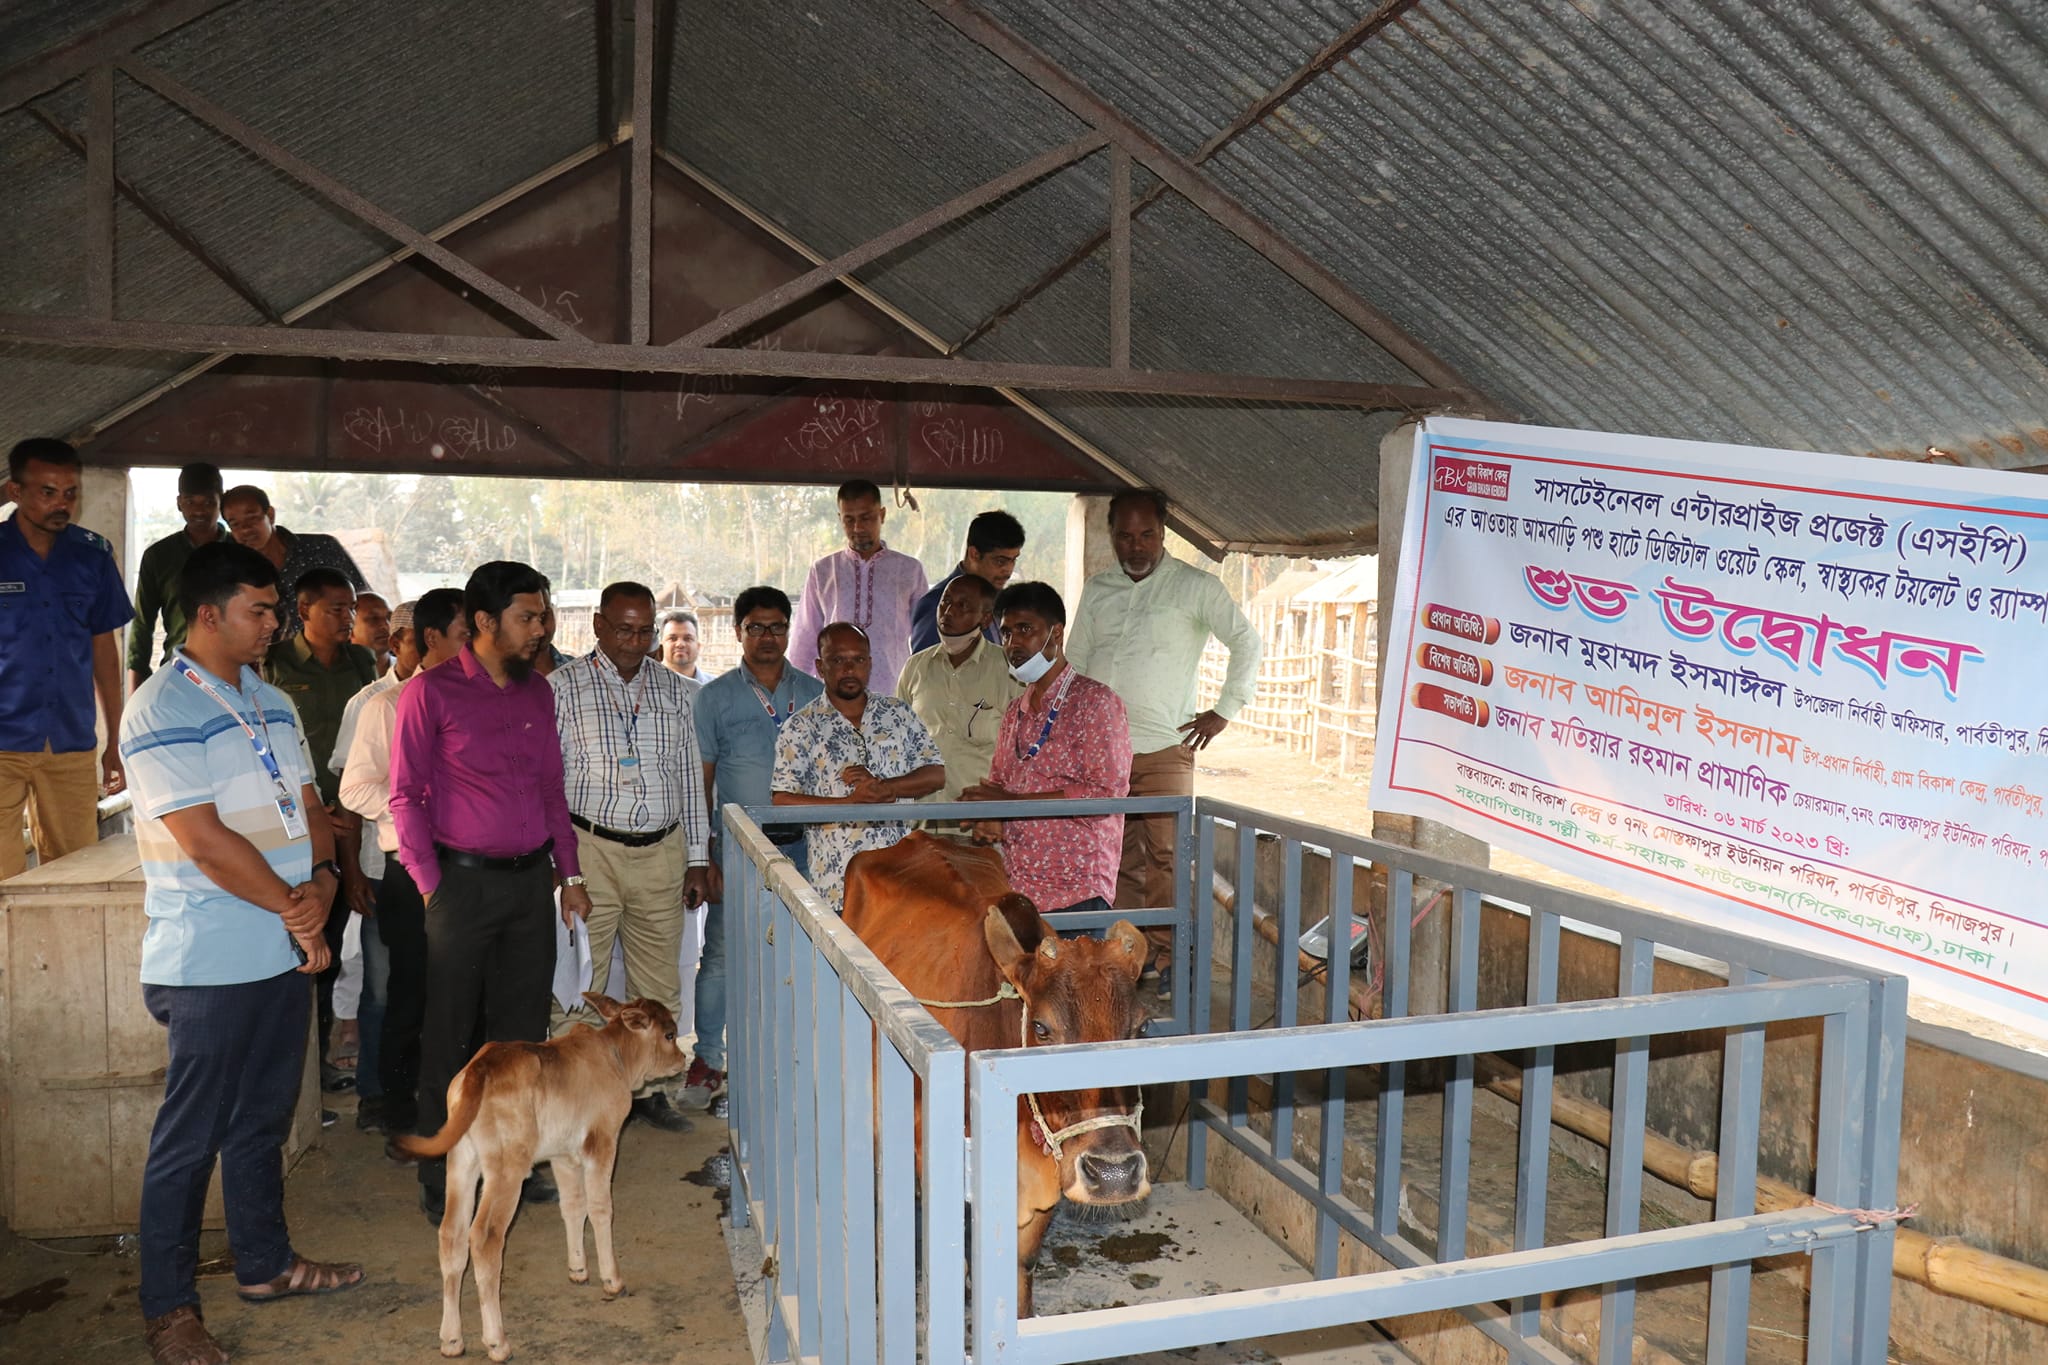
[[636, 897], [1145, 876], [61, 793]]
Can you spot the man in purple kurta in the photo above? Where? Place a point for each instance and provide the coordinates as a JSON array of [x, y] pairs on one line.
[[866, 583], [483, 827]]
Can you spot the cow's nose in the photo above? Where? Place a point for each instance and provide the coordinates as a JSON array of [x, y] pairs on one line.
[[1110, 1177]]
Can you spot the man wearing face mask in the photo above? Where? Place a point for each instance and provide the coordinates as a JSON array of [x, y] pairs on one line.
[[1064, 738], [961, 685]]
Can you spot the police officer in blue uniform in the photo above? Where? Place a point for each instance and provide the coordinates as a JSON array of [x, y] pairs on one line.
[[62, 606]]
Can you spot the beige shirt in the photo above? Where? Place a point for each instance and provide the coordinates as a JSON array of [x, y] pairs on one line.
[[962, 707]]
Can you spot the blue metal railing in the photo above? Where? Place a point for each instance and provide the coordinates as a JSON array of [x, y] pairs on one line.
[[830, 1057]]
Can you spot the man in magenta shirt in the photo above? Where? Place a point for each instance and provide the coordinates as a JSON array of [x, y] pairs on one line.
[[483, 827]]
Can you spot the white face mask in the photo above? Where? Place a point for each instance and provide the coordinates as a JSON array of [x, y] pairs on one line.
[[1032, 669], [956, 645]]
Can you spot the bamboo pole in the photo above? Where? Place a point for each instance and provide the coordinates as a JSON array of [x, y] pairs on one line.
[[1945, 1265]]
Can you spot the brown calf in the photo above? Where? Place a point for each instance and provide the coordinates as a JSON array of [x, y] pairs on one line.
[[517, 1103], [942, 918]]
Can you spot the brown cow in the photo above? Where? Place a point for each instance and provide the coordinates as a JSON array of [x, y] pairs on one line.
[[516, 1103], [942, 918]]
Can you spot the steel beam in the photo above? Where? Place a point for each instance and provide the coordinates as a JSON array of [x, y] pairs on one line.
[[99, 194], [1179, 173], [532, 353], [168, 225], [1119, 259], [142, 24], [1327, 56], [640, 279], [344, 198], [1009, 182]]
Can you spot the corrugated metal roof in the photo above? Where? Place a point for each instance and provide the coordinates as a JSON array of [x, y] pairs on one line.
[[1813, 225]]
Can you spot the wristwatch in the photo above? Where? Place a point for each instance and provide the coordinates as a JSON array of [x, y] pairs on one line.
[[328, 865], [573, 881]]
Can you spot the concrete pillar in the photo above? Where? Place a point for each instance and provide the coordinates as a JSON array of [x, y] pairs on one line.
[[103, 507], [1088, 550], [1430, 947]]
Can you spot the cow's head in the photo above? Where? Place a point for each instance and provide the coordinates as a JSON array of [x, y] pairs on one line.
[[1079, 990], [645, 1037]]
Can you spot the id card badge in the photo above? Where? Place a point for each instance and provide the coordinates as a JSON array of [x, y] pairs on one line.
[[294, 818], [629, 769]]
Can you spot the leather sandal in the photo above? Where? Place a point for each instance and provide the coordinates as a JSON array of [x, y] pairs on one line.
[[304, 1277], [179, 1337]]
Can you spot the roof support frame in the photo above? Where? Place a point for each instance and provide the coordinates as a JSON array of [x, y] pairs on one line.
[[99, 193], [535, 353], [1325, 57], [1219, 205], [875, 248], [344, 198], [640, 277], [1119, 258], [143, 24]]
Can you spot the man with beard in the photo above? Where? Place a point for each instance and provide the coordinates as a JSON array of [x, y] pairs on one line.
[[483, 827], [867, 584], [1141, 627], [1065, 737], [848, 748], [252, 521], [61, 606], [679, 646], [739, 715], [156, 580]]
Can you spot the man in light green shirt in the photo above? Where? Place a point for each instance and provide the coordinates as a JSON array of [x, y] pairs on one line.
[[1141, 627], [960, 686]]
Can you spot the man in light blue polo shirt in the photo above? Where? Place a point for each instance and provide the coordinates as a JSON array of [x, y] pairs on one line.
[[739, 715], [238, 867]]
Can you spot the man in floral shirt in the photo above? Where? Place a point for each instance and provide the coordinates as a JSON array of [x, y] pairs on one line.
[[1066, 737], [850, 748]]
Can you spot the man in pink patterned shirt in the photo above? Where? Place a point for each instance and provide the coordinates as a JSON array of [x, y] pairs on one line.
[[867, 583], [1065, 737]]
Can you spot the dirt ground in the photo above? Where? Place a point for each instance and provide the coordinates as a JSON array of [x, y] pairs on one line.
[[75, 1301]]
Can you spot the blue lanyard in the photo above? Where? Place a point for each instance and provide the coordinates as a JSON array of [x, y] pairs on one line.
[[1051, 715], [768, 705], [261, 744], [630, 720]]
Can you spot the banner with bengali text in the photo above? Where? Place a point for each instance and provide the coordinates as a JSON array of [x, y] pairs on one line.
[[1800, 695]]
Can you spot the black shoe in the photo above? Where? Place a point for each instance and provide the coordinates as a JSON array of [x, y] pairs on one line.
[[334, 1080], [433, 1201], [659, 1110], [370, 1113], [329, 1117], [393, 1152], [539, 1188]]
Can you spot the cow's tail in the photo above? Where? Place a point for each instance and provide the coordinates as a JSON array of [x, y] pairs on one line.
[[465, 1098]]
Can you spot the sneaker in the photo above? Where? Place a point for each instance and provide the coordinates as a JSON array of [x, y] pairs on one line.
[[660, 1111], [329, 1117], [370, 1113], [702, 1083]]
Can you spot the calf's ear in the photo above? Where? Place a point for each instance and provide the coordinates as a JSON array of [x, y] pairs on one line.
[[606, 1007], [1124, 935], [1003, 946]]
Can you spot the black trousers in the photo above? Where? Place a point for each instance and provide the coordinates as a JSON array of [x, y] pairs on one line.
[[490, 963], [402, 925], [333, 931]]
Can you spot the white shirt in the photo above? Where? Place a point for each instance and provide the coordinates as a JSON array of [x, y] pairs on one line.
[[366, 773], [371, 856]]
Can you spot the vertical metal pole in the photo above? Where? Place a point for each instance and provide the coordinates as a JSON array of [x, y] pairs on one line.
[[1625, 1154], [99, 194], [897, 1204], [1337, 1001], [1184, 947], [1386, 1169], [1742, 1091], [781, 1116], [801, 1252], [1884, 1061], [995, 1218], [1532, 1181], [857, 1121], [945, 1203], [1837, 1152], [1119, 258], [1454, 1199], [835, 1214], [641, 288], [1286, 991], [1241, 961], [1201, 979]]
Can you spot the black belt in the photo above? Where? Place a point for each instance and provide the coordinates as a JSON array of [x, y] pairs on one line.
[[620, 836], [518, 863]]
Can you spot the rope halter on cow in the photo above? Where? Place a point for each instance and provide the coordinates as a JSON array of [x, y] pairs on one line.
[[1049, 1141]]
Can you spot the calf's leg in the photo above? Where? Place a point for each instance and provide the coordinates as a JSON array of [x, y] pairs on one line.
[[454, 1237], [600, 1153], [487, 1243], [575, 1209]]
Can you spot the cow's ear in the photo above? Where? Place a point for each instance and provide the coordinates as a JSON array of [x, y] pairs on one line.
[[1003, 946], [606, 1007], [633, 1017], [1125, 936]]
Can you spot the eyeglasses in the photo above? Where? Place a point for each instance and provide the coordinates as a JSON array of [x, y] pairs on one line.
[[755, 630], [628, 632]]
